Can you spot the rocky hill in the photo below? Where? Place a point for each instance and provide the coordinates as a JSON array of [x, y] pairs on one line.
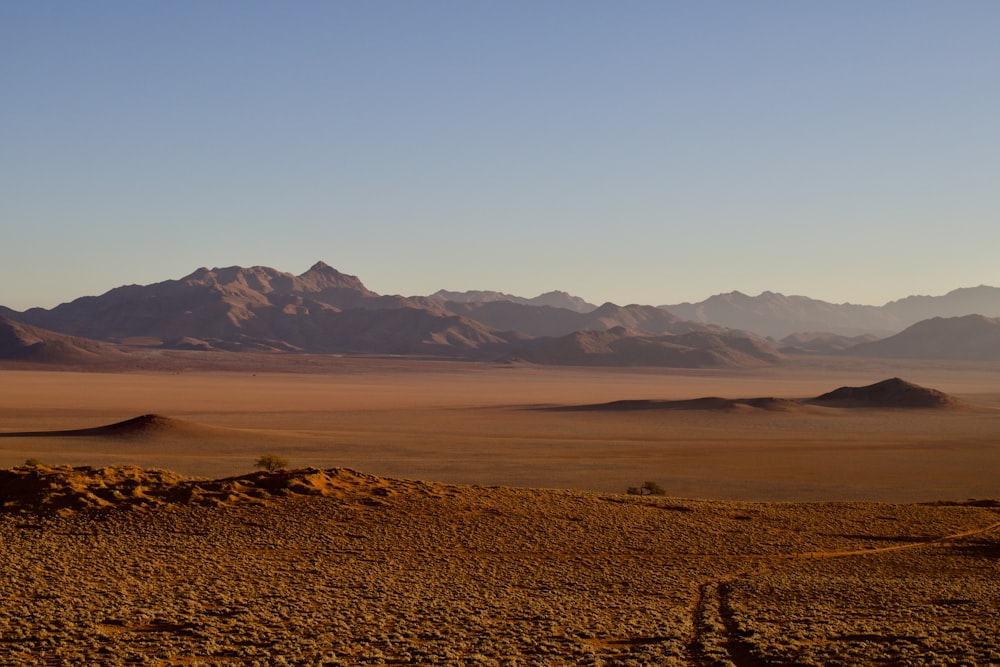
[[891, 393]]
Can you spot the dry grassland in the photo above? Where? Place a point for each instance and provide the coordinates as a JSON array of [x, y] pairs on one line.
[[480, 424], [340, 568], [335, 567]]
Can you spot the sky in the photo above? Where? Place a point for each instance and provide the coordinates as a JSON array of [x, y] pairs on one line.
[[637, 152]]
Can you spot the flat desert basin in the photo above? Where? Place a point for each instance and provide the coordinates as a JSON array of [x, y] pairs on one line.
[[516, 426], [442, 513]]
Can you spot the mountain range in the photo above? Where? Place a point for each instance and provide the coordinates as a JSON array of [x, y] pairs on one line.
[[325, 311], [777, 315]]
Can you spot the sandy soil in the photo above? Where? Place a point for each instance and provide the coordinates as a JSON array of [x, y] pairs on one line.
[[330, 566], [341, 568], [482, 424]]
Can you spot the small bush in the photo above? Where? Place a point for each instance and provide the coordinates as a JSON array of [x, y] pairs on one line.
[[271, 463], [647, 489]]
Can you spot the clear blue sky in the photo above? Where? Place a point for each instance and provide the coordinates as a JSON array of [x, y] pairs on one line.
[[636, 152]]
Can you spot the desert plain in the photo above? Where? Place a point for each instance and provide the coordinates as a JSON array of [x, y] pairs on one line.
[[443, 512]]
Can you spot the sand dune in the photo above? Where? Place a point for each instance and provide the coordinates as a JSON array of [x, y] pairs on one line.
[[143, 426]]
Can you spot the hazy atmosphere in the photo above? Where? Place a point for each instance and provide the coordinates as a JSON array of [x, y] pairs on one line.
[[537, 333], [642, 152]]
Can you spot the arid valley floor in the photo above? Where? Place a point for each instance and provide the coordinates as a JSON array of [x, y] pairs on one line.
[[459, 513]]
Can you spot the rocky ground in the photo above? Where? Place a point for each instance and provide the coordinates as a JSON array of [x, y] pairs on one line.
[[122, 566]]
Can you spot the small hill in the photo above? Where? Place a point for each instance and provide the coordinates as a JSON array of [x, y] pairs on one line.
[[23, 342], [711, 403], [141, 427], [972, 337], [891, 393]]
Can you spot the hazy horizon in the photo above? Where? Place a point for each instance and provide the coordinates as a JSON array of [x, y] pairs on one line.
[[522, 295], [641, 152]]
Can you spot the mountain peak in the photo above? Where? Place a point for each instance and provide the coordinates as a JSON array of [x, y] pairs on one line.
[[321, 267], [321, 276]]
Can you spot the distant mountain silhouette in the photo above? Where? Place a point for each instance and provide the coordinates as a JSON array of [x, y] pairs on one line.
[[822, 343], [549, 321], [553, 299], [624, 347], [325, 311], [982, 300], [972, 337], [259, 308], [777, 315], [891, 393]]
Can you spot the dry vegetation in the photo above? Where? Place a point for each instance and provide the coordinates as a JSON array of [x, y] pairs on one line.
[[124, 566], [128, 565]]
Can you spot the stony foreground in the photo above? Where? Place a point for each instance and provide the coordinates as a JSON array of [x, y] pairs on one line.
[[131, 567]]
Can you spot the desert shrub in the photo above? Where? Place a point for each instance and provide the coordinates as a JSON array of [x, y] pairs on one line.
[[647, 489], [271, 463]]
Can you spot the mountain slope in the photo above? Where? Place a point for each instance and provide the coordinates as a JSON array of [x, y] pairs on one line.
[[972, 337], [236, 308], [777, 315], [23, 342], [822, 343], [625, 347], [982, 300], [554, 299], [549, 321]]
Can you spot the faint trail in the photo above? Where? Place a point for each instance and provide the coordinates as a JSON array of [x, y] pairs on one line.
[[696, 644], [898, 547], [716, 636]]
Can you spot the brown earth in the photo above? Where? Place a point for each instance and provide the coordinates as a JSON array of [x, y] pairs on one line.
[[111, 562], [336, 567], [480, 424]]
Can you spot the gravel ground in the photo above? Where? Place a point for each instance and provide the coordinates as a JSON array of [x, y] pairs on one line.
[[130, 567]]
